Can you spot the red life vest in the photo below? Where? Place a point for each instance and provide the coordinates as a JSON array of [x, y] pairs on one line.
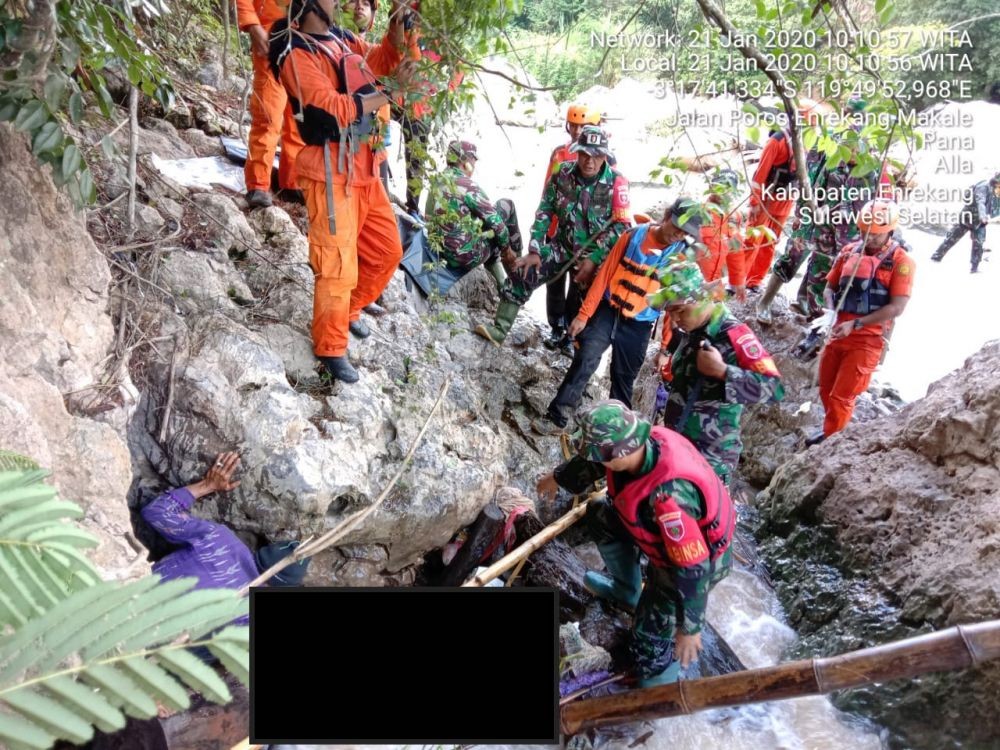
[[868, 290], [682, 540]]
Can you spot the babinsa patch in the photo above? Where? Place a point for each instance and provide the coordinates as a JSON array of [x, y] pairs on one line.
[[673, 525]]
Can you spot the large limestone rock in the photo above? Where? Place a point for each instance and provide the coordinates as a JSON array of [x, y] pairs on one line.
[[55, 334], [901, 514], [240, 374]]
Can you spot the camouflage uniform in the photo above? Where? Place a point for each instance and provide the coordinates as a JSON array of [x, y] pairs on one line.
[[981, 206], [820, 238], [706, 410], [581, 210], [471, 231], [673, 597]]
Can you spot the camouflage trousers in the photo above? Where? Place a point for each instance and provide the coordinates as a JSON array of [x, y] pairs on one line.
[[661, 606], [798, 249], [519, 286], [486, 250]]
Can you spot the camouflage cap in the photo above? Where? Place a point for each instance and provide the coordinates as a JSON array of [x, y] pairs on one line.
[[609, 430], [459, 151], [592, 140], [681, 283]]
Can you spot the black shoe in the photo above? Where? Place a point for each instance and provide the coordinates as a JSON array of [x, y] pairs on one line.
[[555, 339], [975, 269], [547, 426], [566, 347], [753, 290], [259, 199], [375, 310], [937, 258], [340, 368], [360, 329], [291, 195], [815, 439]]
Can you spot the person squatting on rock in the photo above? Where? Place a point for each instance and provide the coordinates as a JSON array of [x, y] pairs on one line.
[[209, 551], [663, 501], [715, 364], [270, 114], [722, 235], [872, 278], [615, 312], [816, 239], [769, 209], [589, 202], [984, 204], [472, 231], [354, 244]]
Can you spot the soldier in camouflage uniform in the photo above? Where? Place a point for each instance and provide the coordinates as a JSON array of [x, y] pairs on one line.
[[468, 229], [715, 364], [819, 238], [683, 526], [588, 200]]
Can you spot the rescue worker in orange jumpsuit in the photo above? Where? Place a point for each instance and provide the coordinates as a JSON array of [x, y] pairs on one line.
[[270, 115], [558, 304], [873, 277], [770, 205], [354, 244], [722, 236]]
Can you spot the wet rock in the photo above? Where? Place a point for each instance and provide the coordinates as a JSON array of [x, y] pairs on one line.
[[901, 508]]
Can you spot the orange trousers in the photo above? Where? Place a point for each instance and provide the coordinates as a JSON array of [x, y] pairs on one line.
[[845, 370], [270, 117], [760, 251], [353, 266]]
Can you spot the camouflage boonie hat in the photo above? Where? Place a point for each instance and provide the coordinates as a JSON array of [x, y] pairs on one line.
[[681, 283], [609, 430], [592, 140]]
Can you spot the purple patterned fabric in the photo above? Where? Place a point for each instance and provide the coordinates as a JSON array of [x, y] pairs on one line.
[[211, 552]]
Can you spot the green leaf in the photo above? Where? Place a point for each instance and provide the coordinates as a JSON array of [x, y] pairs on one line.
[[158, 682], [76, 107], [121, 690], [50, 715], [195, 673], [30, 116], [108, 147], [71, 160], [87, 702], [48, 138], [53, 90], [8, 110], [233, 657], [88, 191], [17, 731]]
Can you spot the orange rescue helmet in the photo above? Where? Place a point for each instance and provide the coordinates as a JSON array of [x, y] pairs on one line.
[[878, 216], [579, 114]]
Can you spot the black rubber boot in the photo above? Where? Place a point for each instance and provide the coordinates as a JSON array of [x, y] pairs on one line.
[[340, 368], [360, 329]]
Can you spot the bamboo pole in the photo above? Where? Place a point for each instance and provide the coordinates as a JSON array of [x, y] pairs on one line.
[[547, 534], [955, 648], [334, 535]]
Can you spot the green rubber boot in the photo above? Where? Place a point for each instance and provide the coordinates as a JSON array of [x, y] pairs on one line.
[[667, 676], [496, 333], [625, 583], [496, 271]]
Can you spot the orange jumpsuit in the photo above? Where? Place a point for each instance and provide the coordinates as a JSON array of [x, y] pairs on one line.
[[270, 115], [723, 243], [354, 264], [846, 364], [766, 211]]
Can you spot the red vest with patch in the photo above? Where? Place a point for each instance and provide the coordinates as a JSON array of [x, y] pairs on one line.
[[681, 539]]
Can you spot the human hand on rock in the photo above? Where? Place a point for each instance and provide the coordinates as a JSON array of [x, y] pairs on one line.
[[219, 477]]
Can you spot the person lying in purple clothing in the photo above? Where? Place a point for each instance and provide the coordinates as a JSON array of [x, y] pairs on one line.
[[210, 551]]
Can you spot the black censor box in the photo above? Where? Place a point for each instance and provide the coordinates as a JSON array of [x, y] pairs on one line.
[[404, 665]]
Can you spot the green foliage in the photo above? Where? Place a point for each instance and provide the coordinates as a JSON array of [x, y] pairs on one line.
[[46, 82], [79, 652]]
